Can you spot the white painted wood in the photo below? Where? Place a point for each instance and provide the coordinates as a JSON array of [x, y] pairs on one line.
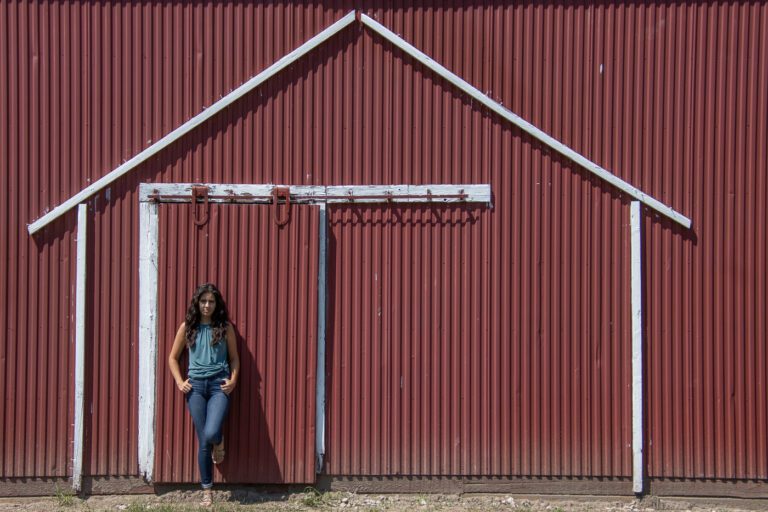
[[523, 124], [239, 193], [79, 439], [637, 346], [413, 52], [194, 122], [148, 279], [409, 193], [242, 193], [320, 372]]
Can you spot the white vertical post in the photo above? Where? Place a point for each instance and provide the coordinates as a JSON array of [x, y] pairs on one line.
[[148, 278], [637, 346], [82, 246], [320, 372]]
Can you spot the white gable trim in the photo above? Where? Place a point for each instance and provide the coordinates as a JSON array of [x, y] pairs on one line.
[[524, 125], [193, 123], [416, 54]]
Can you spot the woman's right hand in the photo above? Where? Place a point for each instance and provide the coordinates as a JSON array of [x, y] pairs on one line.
[[184, 386]]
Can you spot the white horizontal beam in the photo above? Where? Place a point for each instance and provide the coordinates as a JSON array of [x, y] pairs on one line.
[[218, 193], [524, 125], [193, 123]]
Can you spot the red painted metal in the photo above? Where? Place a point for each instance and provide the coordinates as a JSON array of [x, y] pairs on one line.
[[112, 333], [200, 193], [430, 376], [268, 276], [671, 97], [707, 297], [281, 215]]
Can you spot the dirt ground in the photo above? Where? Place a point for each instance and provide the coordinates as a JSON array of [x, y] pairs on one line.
[[310, 500]]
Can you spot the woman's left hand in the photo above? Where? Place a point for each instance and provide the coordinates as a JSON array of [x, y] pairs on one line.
[[228, 386]]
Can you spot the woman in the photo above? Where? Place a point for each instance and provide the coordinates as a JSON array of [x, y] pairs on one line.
[[214, 366]]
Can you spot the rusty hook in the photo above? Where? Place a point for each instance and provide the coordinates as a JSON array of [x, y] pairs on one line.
[[199, 193], [281, 193]]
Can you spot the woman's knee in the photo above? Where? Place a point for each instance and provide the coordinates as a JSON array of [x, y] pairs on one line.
[[212, 436]]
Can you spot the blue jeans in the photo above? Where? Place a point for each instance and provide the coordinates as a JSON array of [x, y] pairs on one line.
[[208, 405]]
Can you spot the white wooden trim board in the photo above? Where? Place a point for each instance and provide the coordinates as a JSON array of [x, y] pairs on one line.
[[148, 291], [637, 345], [80, 315]]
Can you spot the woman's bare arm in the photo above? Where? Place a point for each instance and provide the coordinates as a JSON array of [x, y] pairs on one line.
[[234, 361], [173, 359]]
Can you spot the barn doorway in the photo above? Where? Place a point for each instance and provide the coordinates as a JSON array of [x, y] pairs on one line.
[[265, 247], [268, 275]]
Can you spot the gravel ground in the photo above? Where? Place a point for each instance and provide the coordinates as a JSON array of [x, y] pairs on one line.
[[312, 500]]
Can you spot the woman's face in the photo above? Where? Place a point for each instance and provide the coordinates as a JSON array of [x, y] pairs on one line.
[[207, 305]]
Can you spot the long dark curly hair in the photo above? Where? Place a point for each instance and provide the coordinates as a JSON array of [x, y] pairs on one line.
[[219, 319]]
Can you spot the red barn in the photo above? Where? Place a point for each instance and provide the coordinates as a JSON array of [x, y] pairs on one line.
[[466, 246]]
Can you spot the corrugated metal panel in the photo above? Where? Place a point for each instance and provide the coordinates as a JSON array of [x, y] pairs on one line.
[[672, 97], [36, 356], [465, 343], [706, 296], [112, 335], [268, 276], [612, 81]]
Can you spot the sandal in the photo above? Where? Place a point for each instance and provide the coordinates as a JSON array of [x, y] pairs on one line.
[[217, 454], [207, 500]]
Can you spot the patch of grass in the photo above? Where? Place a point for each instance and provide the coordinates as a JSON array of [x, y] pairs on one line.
[[162, 508], [313, 498], [141, 506], [137, 506], [64, 498]]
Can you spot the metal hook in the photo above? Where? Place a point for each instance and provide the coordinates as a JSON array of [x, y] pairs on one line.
[[284, 193], [198, 193]]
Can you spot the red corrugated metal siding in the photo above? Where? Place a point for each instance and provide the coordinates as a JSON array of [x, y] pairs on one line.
[[447, 358], [36, 355], [268, 276], [673, 98], [610, 82], [112, 334], [706, 85]]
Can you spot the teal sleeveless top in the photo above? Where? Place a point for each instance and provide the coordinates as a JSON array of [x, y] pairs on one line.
[[206, 360]]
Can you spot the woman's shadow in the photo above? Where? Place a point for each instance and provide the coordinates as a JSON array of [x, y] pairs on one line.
[[250, 454]]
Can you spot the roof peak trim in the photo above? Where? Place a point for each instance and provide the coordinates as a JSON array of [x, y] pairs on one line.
[[193, 123], [524, 125], [416, 54]]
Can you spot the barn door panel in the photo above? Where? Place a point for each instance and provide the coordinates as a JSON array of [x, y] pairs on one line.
[[268, 276]]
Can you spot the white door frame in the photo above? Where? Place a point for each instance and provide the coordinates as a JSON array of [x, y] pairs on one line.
[[151, 194]]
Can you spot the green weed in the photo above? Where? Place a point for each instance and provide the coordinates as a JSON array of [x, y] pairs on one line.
[[64, 498], [313, 498]]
